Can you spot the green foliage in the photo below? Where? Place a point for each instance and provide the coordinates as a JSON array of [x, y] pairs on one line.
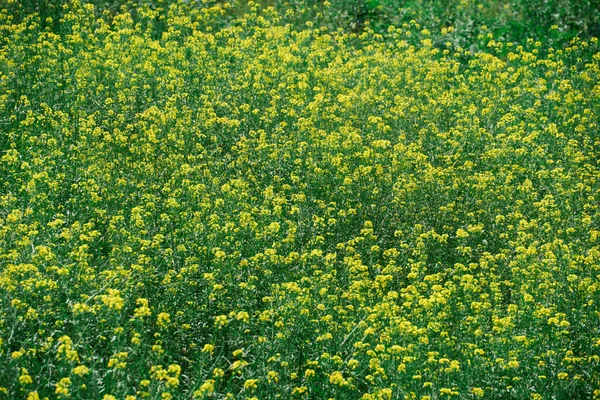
[[554, 22]]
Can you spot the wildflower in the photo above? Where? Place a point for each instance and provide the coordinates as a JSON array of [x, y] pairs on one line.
[[242, 316], [65, 349], [337, 378], [221, 320], [250, 384], [461, 233], [113, 299], [62, 387], [238, 353], [273, 376], [81, 370], [206, 388], [136, 339], [163, 319], [448, 392], [17, 354], [299, 390], [218, 373], [25, 379], [143, 310]]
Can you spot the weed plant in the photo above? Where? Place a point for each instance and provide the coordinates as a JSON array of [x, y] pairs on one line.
[[252, 211]]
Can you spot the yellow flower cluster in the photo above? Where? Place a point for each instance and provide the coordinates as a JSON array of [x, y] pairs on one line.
[[193, 206]]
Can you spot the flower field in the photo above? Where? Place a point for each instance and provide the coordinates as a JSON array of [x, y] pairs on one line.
[[196, 205]]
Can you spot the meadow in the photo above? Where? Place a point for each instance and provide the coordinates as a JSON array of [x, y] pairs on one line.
[[210, 202]]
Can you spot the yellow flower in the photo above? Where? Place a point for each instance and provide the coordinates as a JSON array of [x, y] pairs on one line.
[[17, 354], [33, 396], [563, 375], [136, 339], [143, 310], [218, 373], [238, 353], [113, 299], [174, 369], [65, 350], [221, 320], [337, 378], [448, 392], [205, 389], [461, 233], [273, 376], [299, 390], [242, 316], [237, 364], [81, 370], [172, 381], [163, 319], [62, 387], [25, 379], [251, 384]]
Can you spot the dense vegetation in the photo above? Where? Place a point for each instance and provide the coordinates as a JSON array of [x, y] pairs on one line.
[[224, 200], [555, 22]]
